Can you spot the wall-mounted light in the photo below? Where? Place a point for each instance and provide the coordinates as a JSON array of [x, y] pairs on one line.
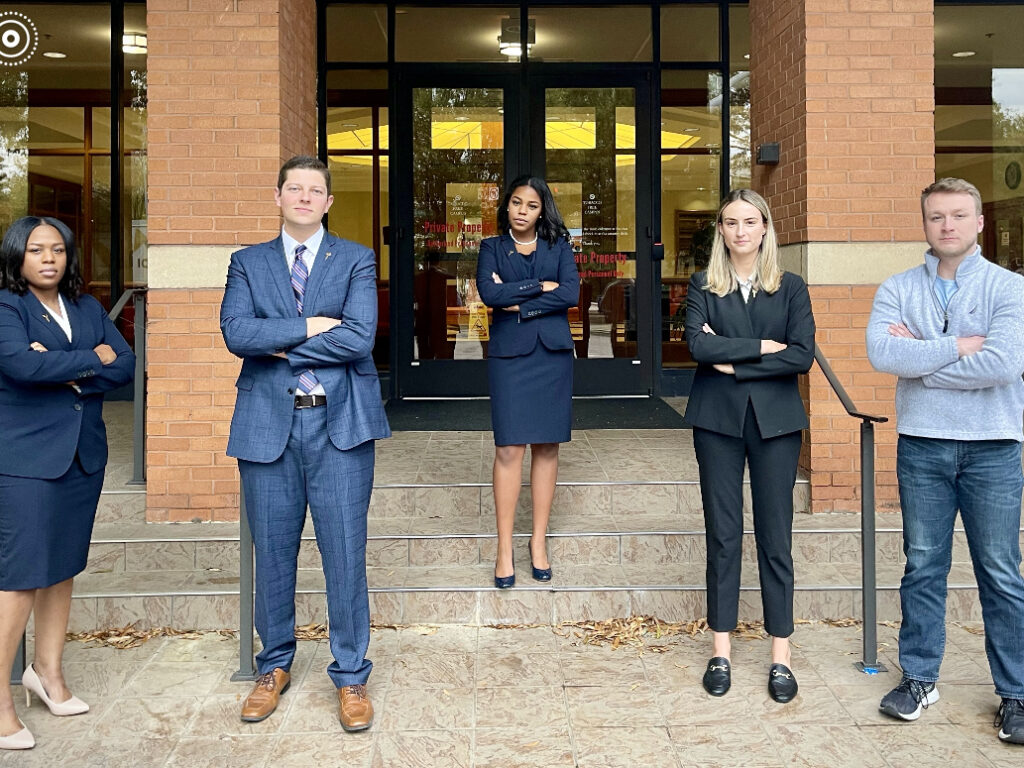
[[768, 153], [134, 43], [964, 54], [55, 55], [509, 42]]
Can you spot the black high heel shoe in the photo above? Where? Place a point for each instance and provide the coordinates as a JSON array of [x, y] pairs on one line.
[[506, 582], [539, 574]]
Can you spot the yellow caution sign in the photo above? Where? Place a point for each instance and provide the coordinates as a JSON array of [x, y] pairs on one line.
[[478, 330]]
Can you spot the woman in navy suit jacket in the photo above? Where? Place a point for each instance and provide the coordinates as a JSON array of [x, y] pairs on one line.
[[528, 277], [749, 327], [59, 353]]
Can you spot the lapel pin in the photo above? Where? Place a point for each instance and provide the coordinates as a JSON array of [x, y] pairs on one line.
[[46, 317], [327, 255]]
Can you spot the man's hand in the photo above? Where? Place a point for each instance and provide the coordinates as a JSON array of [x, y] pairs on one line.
[[768, 346], [35, 345], [968, 345], [899, 329], [725, 368], [707, 329], [106, 353], [317, 325], [282, 355], [548, 285], [495, 277], [513, 308]]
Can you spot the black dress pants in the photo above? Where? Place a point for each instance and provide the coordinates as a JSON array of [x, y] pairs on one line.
[[773, 464]]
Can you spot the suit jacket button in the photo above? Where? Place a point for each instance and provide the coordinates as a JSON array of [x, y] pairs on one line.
[[78, 406], [291, 391]]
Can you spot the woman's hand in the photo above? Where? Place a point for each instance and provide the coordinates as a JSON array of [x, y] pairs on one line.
[[106, 353], [707, 329], [513, 308], [37, 347], [496, 278], [725, 368], [768, 346], [547, 286]]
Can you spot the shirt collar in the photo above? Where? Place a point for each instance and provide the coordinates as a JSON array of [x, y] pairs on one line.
[[312, 245]]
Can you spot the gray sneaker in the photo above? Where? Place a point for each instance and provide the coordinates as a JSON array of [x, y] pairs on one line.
[[1010, 720], [907, 699]]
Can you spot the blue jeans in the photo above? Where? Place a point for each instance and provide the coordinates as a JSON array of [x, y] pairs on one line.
[[981, 478]]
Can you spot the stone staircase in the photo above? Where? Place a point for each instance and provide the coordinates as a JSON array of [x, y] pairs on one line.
[[626, 537]]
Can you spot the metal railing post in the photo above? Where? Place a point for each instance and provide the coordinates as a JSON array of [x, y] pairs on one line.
[[19, 662], [246, 659], [139, 404], [869, 597]]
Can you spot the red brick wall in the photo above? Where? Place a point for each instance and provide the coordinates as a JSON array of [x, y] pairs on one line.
[[232, 94], [847, 89]]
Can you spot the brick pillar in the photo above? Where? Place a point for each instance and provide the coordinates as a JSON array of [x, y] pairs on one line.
[[847, 88], [232, 94]]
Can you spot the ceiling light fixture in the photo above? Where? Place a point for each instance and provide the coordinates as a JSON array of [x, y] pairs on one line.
[[509, 43], [134, 43]]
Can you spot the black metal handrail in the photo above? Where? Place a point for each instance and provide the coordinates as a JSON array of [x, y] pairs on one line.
[[869, 663], [139, 401]]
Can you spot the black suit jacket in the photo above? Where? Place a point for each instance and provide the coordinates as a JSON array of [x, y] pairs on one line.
[[718, 401]]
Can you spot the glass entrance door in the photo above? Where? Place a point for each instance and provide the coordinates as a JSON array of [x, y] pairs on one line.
[[463, 139]]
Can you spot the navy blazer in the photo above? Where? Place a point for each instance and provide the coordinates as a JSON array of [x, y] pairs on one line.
[[45, 422], [258, 317], [718, 401], [541, 316]]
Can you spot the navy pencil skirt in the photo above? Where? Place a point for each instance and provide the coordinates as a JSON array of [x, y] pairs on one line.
[[531, 397], [45, 527]]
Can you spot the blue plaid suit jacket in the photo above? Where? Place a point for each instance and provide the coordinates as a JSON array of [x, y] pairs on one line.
[[258, 318]]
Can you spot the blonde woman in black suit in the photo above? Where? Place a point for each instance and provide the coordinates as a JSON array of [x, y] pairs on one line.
[[750, 329]]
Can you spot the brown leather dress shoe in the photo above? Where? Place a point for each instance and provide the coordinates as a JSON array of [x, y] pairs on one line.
[[356, 711], [261, 703]]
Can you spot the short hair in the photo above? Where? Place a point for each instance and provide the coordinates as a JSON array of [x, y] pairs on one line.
[[953, 185], [304, 162], [12, 256]]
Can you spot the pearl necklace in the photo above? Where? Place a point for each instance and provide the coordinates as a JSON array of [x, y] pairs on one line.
[[523, 242]]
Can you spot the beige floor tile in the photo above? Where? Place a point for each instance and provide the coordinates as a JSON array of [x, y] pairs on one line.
[[925, 743], [352, 750], [517, 668], [691, 705], [623, 669], [522, 708], [623, 747], [412, 709], [147, 717], [160, 678], [814, 746], [91, 753], [222, 752], [204, 650], [704, 747], [516, 606], [437, 639], [530, 747], [220, 715], [423, 749], [434, 670], [593, 707], [523, 640]]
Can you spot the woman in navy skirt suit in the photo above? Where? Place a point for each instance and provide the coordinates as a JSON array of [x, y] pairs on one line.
[[528, 276], [59, 353]]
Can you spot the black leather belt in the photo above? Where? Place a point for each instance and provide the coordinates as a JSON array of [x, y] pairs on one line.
[[310, 401]]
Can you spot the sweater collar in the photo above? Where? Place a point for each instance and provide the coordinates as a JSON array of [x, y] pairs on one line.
[[973, 262]]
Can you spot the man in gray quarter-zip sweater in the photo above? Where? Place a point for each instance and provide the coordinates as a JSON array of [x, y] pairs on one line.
[[952, 330]]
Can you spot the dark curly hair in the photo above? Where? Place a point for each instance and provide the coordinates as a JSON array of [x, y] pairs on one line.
[[550, 226], [12, 256]]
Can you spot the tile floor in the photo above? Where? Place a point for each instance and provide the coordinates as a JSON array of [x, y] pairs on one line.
[[477, 696]]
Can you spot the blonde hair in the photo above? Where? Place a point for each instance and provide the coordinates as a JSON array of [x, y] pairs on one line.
[[721, 277], [955, 186]]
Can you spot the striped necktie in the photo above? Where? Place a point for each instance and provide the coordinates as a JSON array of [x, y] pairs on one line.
[[300, 274]]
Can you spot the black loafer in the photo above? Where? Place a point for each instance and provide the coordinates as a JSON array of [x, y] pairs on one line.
[[782, 685], [718, 676]]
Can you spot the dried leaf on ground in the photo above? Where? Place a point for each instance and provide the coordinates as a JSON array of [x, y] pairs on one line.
[[131, 636]]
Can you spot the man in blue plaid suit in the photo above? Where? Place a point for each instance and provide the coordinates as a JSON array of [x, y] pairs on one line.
[[301, 312]]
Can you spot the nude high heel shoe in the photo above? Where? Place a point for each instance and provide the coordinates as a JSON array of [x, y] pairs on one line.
[[73, 706], [21, 740]]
